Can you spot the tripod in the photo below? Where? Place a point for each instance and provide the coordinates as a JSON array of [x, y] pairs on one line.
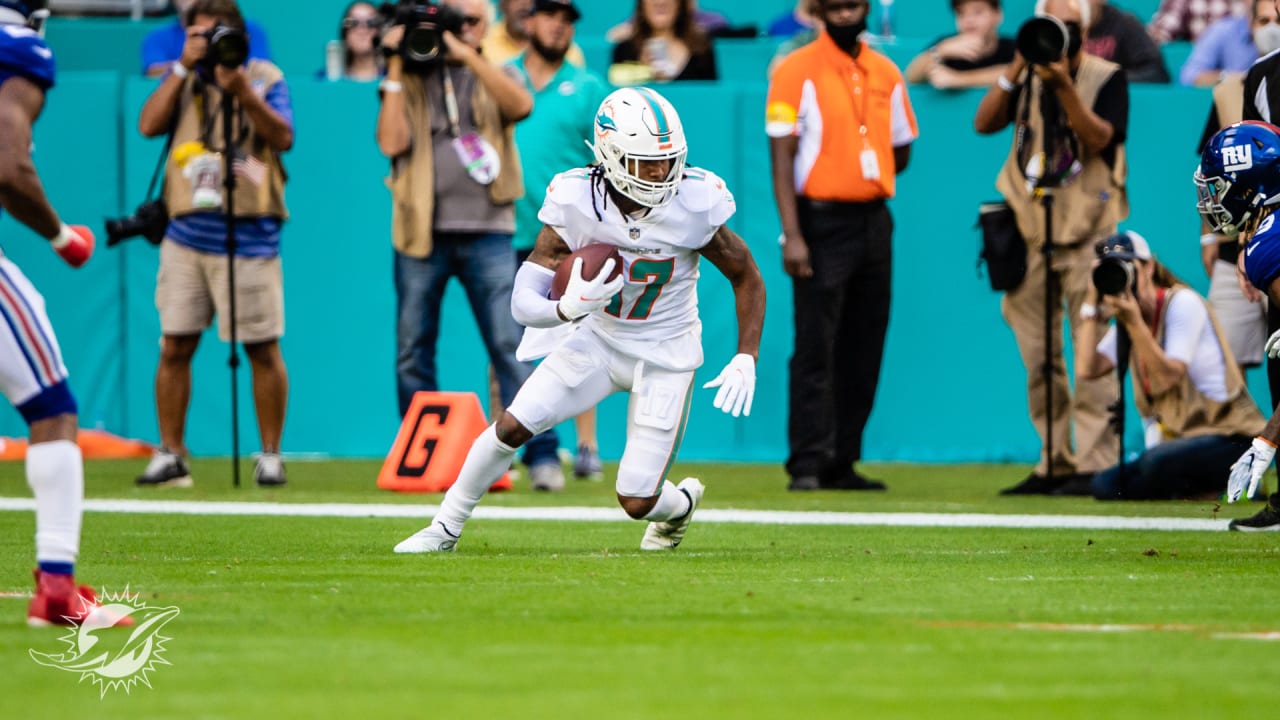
[[229, 188]]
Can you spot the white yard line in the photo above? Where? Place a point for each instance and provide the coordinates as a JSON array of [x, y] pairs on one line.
[[596, 514]]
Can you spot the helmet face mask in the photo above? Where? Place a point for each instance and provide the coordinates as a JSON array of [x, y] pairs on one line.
[[634, 125], [1238, 176]]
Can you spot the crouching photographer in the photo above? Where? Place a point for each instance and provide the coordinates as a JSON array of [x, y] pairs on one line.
[[447, 125], [212, 93], [1185, 380], [1064, 184]]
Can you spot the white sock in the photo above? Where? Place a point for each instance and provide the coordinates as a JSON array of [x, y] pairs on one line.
[[55, 472], [488, 459], [672, 504]]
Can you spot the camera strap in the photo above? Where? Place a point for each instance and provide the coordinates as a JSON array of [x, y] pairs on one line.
[[163, 162]]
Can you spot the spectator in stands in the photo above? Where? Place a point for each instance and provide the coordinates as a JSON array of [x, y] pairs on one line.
[[974, 57], [800, 20], [510, 37], [837, 235], [708, 21], [565, 100], [162, 46], [665, 44], [1186, 19], [1184, 377], [192, 285], [360, 31], [800, 39], [454, 179], [1227, 46], [1076, 111], [1117, 35]]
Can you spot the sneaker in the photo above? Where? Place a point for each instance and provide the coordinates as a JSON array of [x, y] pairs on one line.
[[801, 483], [1080, 484], [1267, 520], [1036, 484], [848, 479], [58, 601], [667, 534], [432, 538], [547, 477], [166, 469], [587, 465], [268, 471]]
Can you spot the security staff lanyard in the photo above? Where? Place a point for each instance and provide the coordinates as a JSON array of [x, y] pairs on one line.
[[867, 157], [474, 152]]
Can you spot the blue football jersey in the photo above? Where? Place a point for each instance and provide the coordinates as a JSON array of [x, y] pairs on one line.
[[1262, 254], [23, 53]]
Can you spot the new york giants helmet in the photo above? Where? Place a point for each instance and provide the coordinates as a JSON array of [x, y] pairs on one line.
[[1239, 174], [26, 7], [635, 124]]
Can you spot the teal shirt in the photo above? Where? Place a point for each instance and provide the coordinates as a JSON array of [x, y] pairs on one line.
[[553, 138]]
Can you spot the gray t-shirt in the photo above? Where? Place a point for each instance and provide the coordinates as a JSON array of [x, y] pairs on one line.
[[462, 204]]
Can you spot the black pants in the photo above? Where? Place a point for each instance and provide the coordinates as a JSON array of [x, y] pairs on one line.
[[841, 314]]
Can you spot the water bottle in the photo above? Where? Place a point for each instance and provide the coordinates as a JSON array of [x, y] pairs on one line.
[[886, 19], [334, 60]]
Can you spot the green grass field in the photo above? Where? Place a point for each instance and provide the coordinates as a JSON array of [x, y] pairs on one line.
[[291, 617]]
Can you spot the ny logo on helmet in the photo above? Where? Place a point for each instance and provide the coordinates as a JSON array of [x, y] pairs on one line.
[[1237, 157]]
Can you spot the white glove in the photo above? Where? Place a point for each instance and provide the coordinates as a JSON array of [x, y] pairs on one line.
[[583, 297], [1248, 470], [737, 383], [1273, 345]]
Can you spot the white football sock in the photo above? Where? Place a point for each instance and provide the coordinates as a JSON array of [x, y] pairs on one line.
[[488, 459], [672, 504], [55, 472]]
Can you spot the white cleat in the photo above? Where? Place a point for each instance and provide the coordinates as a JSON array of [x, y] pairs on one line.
[[667, 534], [432, 538]]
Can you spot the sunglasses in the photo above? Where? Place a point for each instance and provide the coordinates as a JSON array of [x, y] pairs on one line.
[[835, 7], [472, 20], [368, 23]]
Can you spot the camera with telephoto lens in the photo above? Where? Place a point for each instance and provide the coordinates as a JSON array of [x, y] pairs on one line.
[[422, 47], [150, 221], [1113, 275], [1042, 40], [228, 47]]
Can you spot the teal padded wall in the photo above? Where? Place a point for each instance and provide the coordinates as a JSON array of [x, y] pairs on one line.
[[952, 384]]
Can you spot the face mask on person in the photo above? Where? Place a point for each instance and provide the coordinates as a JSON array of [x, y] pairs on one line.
[[1075, 38], [846, 36], [1267, 39]]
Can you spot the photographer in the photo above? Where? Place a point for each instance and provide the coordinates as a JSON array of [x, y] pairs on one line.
[[1184, 377], [447, 123], [192, 285], [1071, 111]]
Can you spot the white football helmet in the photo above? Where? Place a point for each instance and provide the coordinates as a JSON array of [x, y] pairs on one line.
[[635, 124]]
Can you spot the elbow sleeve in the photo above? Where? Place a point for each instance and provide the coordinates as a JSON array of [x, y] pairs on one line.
[[530, 305]]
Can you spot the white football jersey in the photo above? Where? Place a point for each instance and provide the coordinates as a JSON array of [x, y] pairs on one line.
[[655, 317]]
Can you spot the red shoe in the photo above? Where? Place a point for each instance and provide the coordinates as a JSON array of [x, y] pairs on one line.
[[59, 602]]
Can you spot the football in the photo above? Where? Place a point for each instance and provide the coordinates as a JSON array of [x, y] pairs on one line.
[[593, 258]]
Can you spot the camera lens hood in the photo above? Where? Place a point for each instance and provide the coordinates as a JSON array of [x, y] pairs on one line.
[[1042, 39]]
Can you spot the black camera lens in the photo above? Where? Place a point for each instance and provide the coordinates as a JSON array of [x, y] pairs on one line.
[[1042, 39], [422, 44], [1113, 275], [228, 46]]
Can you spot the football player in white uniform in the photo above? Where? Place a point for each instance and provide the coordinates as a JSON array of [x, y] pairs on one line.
[[638, 333]]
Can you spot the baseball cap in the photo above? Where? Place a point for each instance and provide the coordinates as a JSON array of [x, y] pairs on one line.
[[553, 5], [1127, 245]]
